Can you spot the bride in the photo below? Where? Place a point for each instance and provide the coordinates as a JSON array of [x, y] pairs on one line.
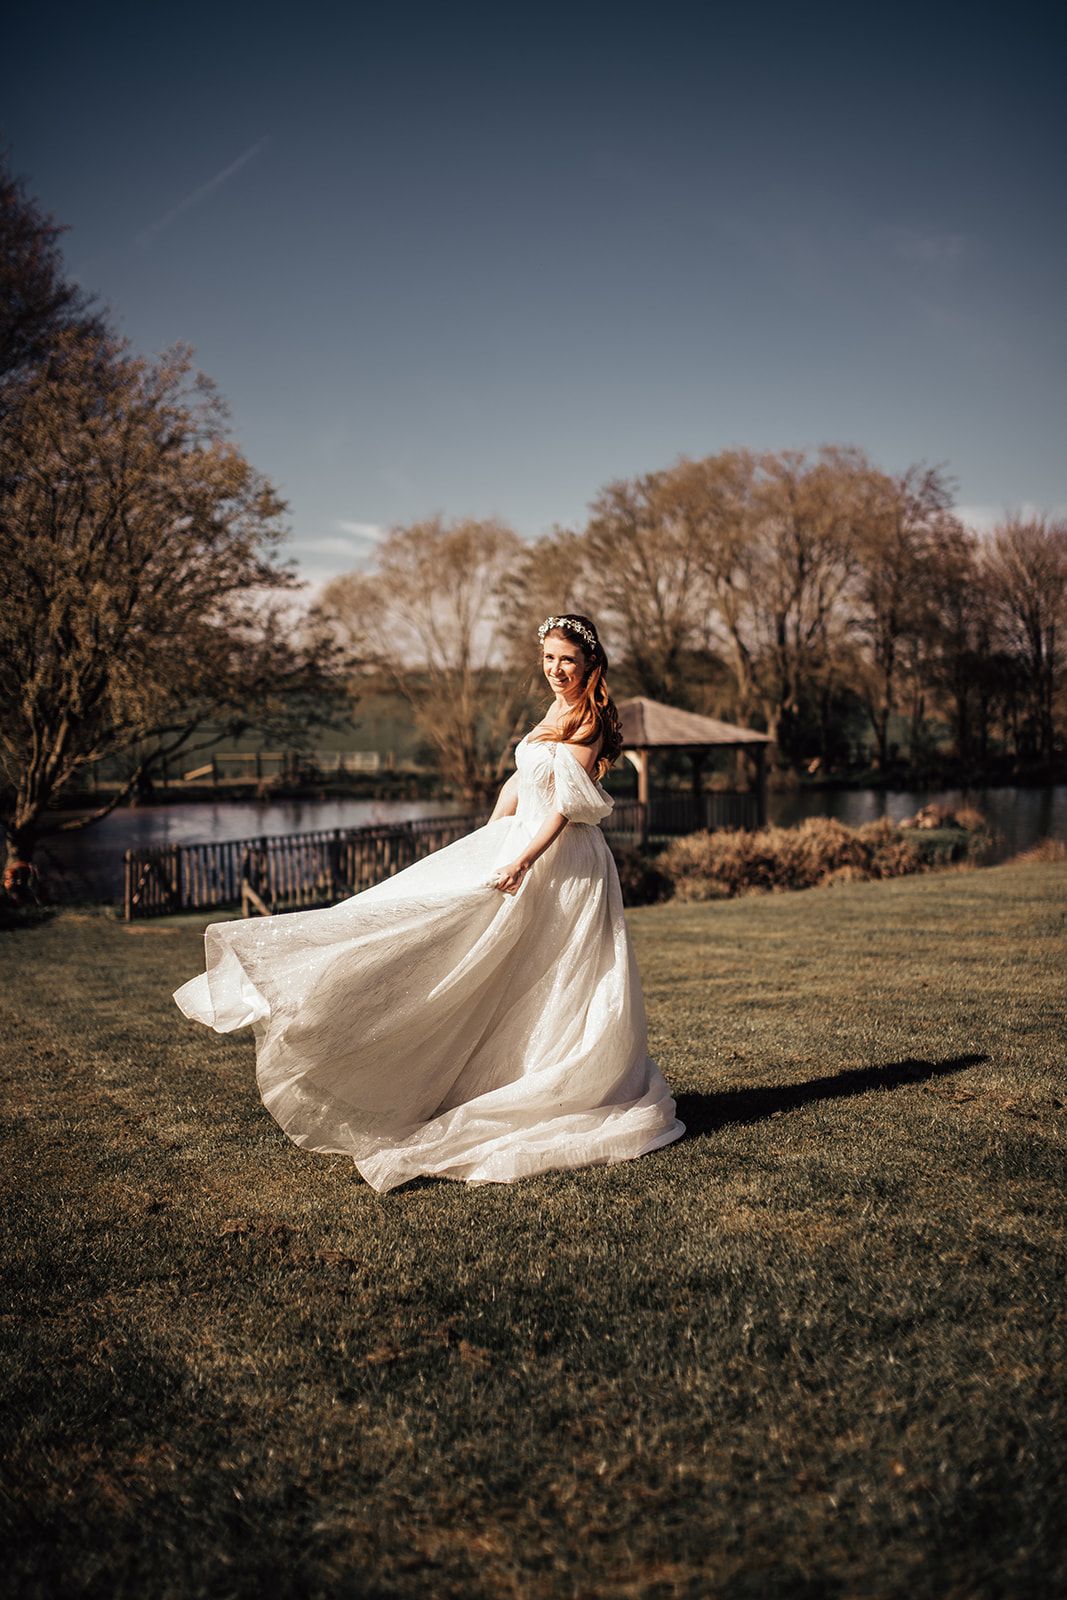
[[478, 1016]]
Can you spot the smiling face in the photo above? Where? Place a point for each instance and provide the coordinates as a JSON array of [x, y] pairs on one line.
[[564, 664]]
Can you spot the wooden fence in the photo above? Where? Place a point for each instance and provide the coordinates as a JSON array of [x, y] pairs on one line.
[[667, 815], [688, 813], [282, 872], [294, 871]]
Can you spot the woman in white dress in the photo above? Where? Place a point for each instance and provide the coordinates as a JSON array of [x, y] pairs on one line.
[[479, 1016]]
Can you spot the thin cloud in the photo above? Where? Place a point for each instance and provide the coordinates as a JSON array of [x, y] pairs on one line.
[[981, 519], [363, 532], [348, 546], [154, 229], [927, 247], [984, 518], [326, 547]]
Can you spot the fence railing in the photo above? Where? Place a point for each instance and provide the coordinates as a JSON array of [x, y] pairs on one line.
[[293, 871], [689, 813], [281, 872], [633, 823]]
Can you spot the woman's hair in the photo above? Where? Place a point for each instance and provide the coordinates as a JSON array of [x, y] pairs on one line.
[[594, 716]]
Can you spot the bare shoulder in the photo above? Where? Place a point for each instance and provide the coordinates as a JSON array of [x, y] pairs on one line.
[[586, 755]]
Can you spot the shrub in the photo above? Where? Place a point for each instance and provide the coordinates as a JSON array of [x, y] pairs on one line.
[[715, 866], [935, 815], [643, 882], [940, 847], [1043, 850], [971, 818]]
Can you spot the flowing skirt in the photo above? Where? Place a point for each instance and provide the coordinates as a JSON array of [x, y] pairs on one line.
[[433, 1025]]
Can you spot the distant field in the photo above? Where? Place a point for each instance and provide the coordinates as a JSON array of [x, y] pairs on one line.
[[814, 1349]]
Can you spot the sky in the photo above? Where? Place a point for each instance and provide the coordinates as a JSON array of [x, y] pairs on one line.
[[482, 260]]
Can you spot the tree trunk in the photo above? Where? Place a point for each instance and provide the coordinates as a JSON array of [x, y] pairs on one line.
[[20, 844]]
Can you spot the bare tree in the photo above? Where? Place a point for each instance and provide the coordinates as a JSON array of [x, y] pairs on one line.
[[1027, 565], [36, 301], [139, 550], [551, 575], [738, 556], [904, 519], [953, 632], [804, 563], [717, 500], [643, 561], [433, 615]]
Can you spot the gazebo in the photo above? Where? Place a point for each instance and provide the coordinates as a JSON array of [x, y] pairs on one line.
[[649, 725]]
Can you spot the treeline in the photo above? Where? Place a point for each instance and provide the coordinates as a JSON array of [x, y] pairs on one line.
[[146, 604], [812, 595]]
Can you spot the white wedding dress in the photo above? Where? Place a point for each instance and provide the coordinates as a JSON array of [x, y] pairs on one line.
[[434, 1025]]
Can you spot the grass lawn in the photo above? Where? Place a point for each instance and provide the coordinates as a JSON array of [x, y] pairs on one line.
[[814, 1349]]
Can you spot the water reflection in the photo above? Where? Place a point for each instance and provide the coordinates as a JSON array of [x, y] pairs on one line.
[[89, 864], [1020, 816]]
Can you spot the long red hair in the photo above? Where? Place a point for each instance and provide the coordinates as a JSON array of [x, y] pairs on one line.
[[594, 714]]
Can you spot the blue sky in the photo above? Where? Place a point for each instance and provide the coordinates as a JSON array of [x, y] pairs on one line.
[[481, 260]]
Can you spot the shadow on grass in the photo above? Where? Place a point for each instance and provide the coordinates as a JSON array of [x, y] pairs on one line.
[[703, 1113], [14, 917]]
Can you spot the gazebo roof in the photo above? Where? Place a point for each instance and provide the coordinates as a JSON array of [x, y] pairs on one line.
[[651, 725]]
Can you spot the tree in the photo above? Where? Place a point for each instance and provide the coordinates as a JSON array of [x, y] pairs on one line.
[[37, 303], [142, 582], [433, 615], [551, 575], [904, 519], [954, 631], [1027, 566], [804, 563], [643, 562], [717, 497]]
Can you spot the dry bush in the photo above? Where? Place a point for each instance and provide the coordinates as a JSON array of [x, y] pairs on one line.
[[641, 879], [717, 866], [971, 818], [935, 815], [1043, 850]]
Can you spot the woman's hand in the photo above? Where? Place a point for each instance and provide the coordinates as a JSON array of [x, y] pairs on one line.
[[509, 879]]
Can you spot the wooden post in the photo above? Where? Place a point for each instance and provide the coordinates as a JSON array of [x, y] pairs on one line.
[[696, 758], [638, 759], [759, 755]]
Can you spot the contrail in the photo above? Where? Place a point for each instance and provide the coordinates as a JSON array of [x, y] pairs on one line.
[[146, 235]]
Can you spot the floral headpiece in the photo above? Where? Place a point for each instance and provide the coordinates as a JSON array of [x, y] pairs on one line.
[[568, 622]]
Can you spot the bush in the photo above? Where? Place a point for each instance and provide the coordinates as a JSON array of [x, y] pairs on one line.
[[1043, 850], [941, 847], [938, 816], [717, 866], [971, 818], [643, 883]]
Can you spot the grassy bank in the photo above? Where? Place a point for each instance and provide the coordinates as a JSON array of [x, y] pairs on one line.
[[814, 1349]]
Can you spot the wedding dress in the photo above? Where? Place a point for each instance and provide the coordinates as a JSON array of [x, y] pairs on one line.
[[434, 1025]]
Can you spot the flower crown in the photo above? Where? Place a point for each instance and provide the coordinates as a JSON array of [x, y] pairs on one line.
[[575, 627]]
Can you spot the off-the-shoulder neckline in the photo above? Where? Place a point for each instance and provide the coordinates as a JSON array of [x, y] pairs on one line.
[[561, 742], [558, 744]]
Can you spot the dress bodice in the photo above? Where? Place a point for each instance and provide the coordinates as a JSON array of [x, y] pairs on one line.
[[551, 778]]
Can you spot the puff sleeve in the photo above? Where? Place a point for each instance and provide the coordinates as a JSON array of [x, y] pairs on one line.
[[577, 796]]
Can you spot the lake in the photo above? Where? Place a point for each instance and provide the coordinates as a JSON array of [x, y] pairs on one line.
[[88, 865]]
